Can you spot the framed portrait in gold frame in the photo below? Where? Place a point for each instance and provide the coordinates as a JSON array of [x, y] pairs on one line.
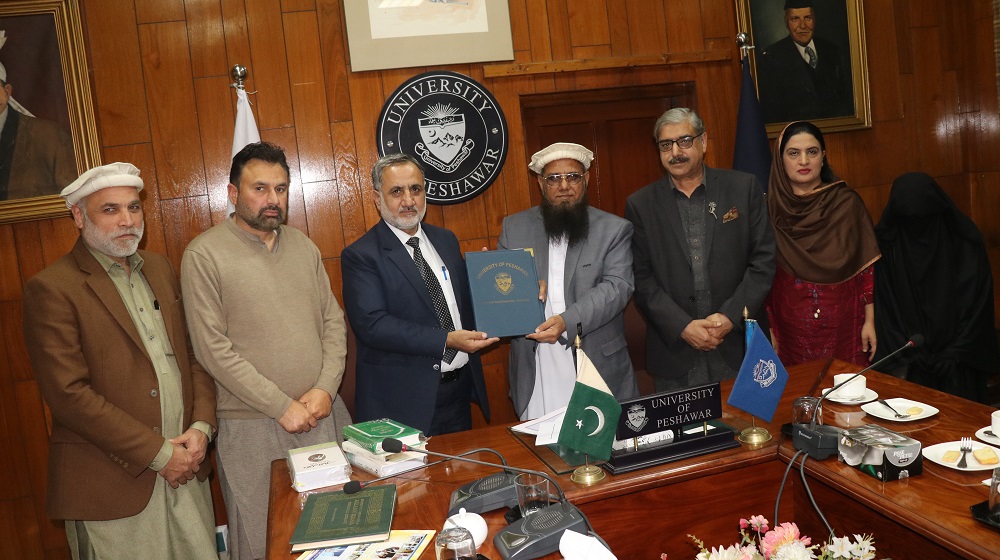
[[809, 61], [49, 134]]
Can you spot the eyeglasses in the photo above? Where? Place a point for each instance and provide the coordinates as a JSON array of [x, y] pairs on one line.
[[555, 179], [684, 142]]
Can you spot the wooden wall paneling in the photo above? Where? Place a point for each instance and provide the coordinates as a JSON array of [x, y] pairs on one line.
[[468, 219], [983, 128], [647, 26], [10, 276], [141, 156], [540, 36], [718, 82], [333, 41], [237, 37], [158, 11], [924, 13], [323, 217], [119, 97], [16, 483], [684, 26], [366, 104], [30, 409], [207, 38], [519, 30], [59, 235], [561, 41], [957, 187], [183, 220], [883, 61], [718, 20], [985, 203], [309, 107], [494, 202], [18, 531], [618, 29], [497, 389], [350, 195], [508, 92], [285, 137], [940, 147], [901, 19], [298, 5], [169, 87], [30, 259], [17, 363], [216, 121], [270, 64], [588, 23]]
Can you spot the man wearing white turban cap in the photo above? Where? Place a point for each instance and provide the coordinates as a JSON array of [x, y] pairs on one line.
[[36, 155]]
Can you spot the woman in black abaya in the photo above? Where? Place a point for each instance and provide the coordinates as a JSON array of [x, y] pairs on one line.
[[934, 278]]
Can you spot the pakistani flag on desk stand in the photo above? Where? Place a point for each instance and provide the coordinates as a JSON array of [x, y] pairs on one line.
[[759, 384], [591, 419]]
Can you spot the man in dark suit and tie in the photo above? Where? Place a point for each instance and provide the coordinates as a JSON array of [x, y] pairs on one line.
[[803, 76], [406, 294], [585, 257], [703, 251]]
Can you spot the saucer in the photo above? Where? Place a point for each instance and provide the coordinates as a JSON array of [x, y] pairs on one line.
[[981, 512], [993, 440], [868, 396], [934, 453], [878, 410]]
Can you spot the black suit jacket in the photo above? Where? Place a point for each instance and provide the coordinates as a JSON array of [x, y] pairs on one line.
[[741, 264], [400, 343], [791, 90]]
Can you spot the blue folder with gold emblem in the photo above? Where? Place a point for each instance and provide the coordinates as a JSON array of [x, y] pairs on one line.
[[504, 288]]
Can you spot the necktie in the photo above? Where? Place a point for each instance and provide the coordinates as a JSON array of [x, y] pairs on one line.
[[437, 295], [812, 56]]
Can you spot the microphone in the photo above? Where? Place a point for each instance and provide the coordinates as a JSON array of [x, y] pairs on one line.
[[355, 486], [532, 536], [820, 442]]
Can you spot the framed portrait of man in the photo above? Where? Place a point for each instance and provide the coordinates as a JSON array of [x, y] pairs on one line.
[[809, 61], [48, 134]]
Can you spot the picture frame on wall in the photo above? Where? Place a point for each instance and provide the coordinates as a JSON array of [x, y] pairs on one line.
[[384, 34], [49, 135], [809, 62]]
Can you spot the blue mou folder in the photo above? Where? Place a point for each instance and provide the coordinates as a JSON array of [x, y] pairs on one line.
[[504, 286]]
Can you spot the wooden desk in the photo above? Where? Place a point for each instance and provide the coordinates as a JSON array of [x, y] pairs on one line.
[[644, 513]]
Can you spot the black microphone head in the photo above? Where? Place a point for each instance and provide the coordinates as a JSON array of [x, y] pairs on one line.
[[916, 340], [392, 445], [353, 487]]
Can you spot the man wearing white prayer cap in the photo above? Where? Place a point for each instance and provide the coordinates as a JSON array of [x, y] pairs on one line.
[[584, 261], [36, 155], [132, 410]]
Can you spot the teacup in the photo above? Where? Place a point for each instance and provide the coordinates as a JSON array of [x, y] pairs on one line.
[[995, 423], [853, 390]]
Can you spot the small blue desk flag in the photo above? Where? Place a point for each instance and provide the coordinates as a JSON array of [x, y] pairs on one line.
[[761, 380], [592, 414]]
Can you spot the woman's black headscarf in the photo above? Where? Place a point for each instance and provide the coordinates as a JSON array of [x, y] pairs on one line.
[[934, 278]]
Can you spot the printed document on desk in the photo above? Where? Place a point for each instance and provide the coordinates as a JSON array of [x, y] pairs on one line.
[[544, 428]]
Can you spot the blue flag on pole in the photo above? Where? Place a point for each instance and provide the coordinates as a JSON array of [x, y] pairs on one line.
[[752, 153], [761, 380]]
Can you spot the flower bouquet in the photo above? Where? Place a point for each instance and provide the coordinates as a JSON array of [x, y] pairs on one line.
[[784, 542]]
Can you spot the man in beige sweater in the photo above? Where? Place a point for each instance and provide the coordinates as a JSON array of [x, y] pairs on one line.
[[267, 327]]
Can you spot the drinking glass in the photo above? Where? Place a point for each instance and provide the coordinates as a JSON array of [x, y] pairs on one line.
[[455, 543], [995, 496], [532, 492], [802, 410]]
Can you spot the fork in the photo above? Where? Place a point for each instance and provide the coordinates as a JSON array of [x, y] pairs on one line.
[[887, 405], [965, 448]]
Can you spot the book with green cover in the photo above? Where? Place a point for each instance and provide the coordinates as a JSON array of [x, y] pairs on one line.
[[338, 519], [370, 434]]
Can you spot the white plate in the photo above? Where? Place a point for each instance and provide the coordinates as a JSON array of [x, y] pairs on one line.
[[935, 452], [879, 410], [868, 396], [992, 440]]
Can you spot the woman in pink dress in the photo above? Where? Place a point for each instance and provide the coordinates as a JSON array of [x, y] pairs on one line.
[[821, 304]]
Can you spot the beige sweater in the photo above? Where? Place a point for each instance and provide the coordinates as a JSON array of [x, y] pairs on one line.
[[265, 324]]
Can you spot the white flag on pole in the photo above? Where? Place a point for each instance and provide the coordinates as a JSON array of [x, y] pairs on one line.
[[245, 132]]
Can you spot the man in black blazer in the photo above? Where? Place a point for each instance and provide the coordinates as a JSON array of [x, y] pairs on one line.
[[803, 76], [703, 250], [417, 362]]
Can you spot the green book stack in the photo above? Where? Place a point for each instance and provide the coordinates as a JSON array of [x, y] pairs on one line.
[[338, 519], [370, 434]]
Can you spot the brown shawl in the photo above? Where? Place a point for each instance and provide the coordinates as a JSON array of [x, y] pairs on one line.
[[826, 236]]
